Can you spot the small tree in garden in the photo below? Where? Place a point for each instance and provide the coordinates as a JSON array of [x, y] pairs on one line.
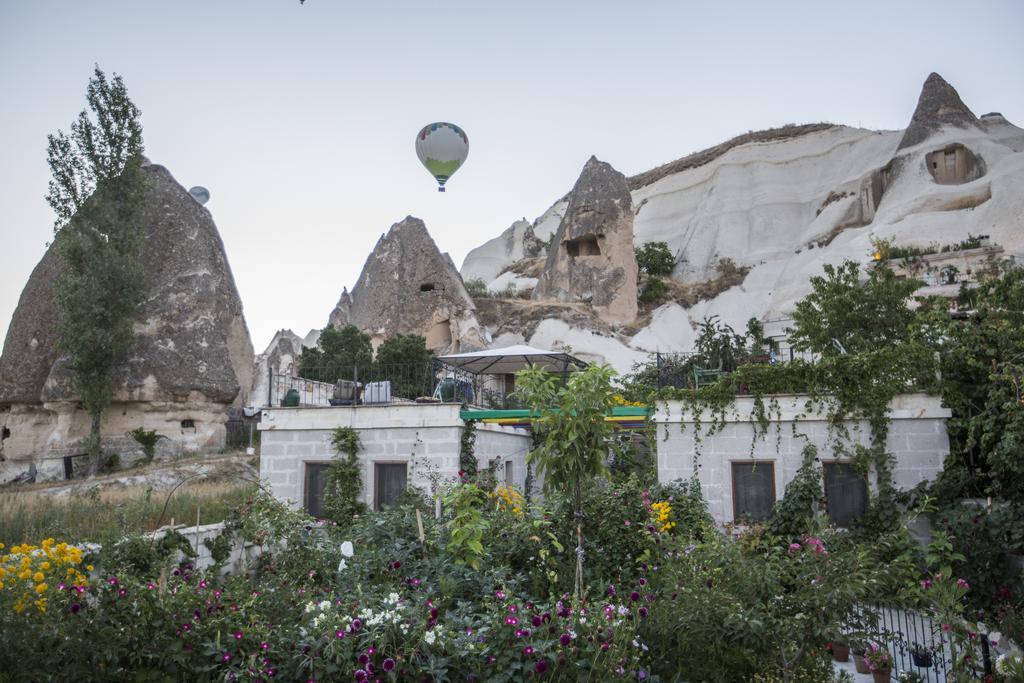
[[97, 192], [577, 439], [654, 258]]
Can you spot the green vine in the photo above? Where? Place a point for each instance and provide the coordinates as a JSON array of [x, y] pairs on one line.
[[467, 446], [343, 481]]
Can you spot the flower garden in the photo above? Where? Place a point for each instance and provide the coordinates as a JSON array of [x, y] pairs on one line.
[[666, 597]]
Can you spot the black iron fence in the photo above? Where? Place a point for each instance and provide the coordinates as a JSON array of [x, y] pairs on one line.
[[695, 370], [917, 643], [376, 384]]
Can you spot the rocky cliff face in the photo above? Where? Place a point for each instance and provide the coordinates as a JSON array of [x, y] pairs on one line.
[[192, 350], [591, 259], [407, 286], [779, 204]]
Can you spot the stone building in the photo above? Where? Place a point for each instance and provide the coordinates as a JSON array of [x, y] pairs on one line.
[[592, 259], [190, 364], [742, 477]]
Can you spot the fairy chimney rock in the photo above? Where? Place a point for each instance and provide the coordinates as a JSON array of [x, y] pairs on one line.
[[939, 105], [592, 259], [408, 286]]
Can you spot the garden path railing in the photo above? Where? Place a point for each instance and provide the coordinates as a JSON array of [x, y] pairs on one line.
[[918, 644]]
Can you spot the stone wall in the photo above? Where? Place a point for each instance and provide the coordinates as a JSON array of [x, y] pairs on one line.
[[44, 434], [917, 437], [426, 437]]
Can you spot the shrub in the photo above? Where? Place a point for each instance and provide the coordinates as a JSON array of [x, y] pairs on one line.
[[343, 482], [655, 259]]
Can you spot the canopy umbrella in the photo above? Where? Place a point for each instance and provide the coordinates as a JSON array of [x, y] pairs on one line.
[[512, 359]]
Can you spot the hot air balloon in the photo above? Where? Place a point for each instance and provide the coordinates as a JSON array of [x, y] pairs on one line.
[[442, 149]]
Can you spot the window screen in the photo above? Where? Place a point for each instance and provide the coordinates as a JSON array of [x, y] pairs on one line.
[[316, 475], [389, 483], [846, 493], [753, 490]]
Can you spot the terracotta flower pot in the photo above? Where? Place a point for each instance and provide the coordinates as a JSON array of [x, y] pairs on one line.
[[862, 666], [840, 653], [881, 675]]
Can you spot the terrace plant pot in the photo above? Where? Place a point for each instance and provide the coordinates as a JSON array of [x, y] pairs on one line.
[[881, 675], [840, 652], [860, 664]]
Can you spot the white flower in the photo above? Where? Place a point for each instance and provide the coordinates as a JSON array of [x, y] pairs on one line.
[[324, 605], [310, 606], [342, 566]]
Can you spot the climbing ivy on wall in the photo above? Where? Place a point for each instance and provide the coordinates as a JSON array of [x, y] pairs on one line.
[[343, 481], [467, 446]]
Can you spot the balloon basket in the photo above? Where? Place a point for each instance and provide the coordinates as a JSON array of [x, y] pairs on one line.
[[440, 189]]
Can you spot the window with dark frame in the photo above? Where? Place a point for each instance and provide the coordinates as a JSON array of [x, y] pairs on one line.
[[846, 493], [753, 490], [313, 492], [389, 482]]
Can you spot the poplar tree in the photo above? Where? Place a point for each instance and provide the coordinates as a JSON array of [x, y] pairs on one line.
[[97, 191]]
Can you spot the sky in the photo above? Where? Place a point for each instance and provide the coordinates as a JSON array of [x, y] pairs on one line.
[[300, 118]]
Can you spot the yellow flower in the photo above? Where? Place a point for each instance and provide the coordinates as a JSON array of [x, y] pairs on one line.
[[25, 574], [41, 588], [44, 566], [89, 567], [38, 577]]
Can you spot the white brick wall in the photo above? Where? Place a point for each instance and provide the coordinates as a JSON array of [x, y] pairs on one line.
[[424, 436], [917, 437]]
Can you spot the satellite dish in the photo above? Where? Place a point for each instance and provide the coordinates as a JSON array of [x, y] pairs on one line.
[[200, 194]]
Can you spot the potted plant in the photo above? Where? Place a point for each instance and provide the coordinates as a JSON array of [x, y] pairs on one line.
[[879, 661], [909, 677], [858, 647], [840, 650], [921, 656]]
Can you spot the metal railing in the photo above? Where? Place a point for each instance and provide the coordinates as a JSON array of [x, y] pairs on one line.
[[376, 384], [917, 643], [694, 370]]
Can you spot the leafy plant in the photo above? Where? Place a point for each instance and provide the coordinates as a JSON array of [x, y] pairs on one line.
[[577, 438], [467, 525], [147, 439], [339, 354], [655, 259], [343, 481]]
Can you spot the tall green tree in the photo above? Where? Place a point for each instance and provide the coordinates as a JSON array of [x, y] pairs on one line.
[[97, 191], [861, 315], [339, 354], [406, 361], [577, 438]]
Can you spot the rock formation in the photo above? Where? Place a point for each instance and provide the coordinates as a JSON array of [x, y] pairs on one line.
[[280, 358], [191, 361], [591, 259], [407, 286], [778, 205], [939, 105]]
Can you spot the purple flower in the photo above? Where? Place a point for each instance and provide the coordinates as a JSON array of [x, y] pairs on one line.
[[356, 624], [500, 594], [121, 592], [339, 633], [511, 621], [643, 612], [226, 656], [793, 547], [396, 565], [565, 639], [541, 666], [536, 621], [75, 607], [634, 596], [363, 659], [238, 635], [266, 646], [360, 675], [389, 664], [527, 650]]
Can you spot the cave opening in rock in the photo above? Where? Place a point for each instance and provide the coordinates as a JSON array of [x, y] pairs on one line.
[[954, 165], [188, 424], [427, 287], [586, 245]]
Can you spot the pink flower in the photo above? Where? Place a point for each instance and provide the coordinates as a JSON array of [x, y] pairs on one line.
[[963, 584], [793, 547]]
